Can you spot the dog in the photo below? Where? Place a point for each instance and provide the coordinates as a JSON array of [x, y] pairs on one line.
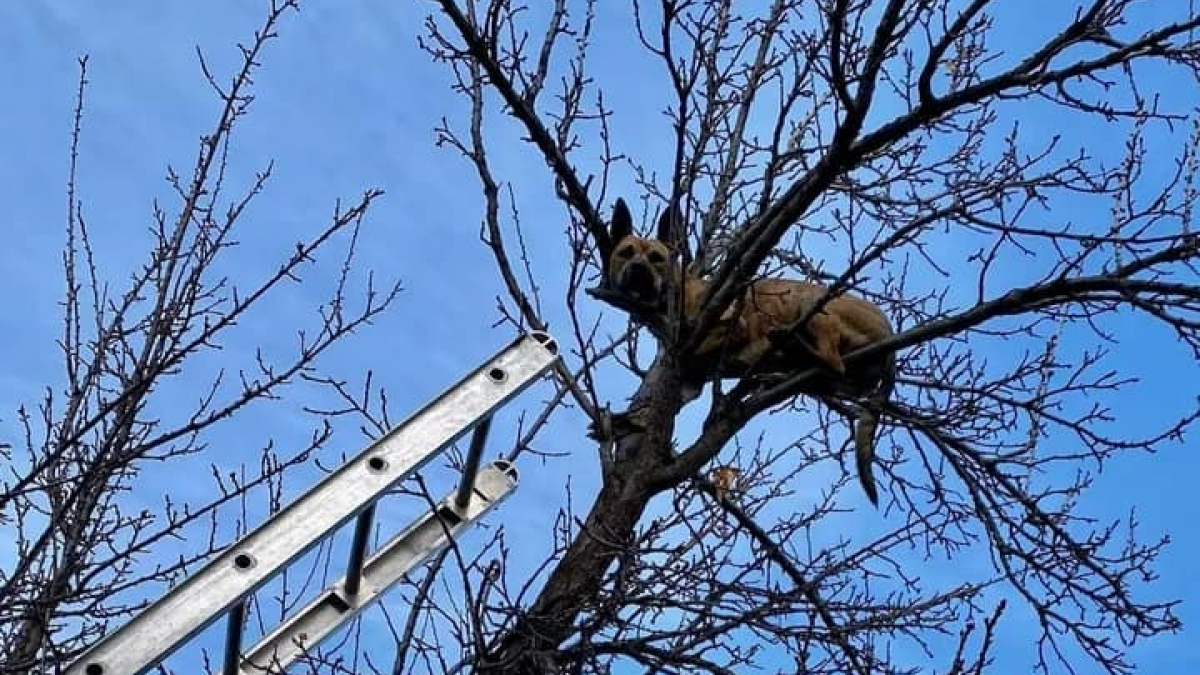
[[771, 328]]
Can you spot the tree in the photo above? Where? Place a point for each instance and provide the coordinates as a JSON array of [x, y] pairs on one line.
[[869, 132], [899, 151], [78, 544]]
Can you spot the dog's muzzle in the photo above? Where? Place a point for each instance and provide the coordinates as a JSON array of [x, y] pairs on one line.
[[640, 282]]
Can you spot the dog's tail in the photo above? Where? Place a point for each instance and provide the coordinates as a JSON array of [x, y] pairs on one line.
[[868, 423]]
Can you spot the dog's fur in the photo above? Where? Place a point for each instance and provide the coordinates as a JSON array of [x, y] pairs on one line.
[[759, 332]]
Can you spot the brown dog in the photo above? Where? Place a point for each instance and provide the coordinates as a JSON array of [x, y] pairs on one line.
[[760, 332]]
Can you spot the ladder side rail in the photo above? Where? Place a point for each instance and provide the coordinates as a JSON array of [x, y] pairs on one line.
[[144, 641]]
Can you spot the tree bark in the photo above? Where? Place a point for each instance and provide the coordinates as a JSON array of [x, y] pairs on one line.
[[574, 584], [643, 451]]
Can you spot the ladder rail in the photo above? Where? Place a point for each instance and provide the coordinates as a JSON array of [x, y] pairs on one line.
[[190, 607]]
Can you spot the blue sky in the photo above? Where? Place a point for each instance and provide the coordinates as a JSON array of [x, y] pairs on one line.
[[347, 101]]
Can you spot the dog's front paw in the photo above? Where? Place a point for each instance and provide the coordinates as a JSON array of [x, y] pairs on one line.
[[600, 429], [835, 362], [612, 426]]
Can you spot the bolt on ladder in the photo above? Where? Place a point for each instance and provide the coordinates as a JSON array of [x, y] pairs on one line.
[[224, 585]]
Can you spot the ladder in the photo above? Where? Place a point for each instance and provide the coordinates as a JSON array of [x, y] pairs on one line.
[[224, 585]]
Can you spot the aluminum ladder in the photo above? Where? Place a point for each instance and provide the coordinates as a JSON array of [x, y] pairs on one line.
[[224, 585]]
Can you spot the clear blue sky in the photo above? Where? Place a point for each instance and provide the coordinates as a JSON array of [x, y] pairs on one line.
[[346, 101]]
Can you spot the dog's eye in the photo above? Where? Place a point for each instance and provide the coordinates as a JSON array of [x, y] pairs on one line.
[[625, 253], [656, 258]]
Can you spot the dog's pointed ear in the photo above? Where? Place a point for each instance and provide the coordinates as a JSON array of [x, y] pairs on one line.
[[667, 222], [622, 222]]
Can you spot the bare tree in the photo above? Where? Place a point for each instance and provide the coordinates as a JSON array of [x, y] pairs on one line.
[[848, 142], [80, 549], [857, 143]]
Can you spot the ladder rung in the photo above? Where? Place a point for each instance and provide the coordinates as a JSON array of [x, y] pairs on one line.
[[136, 647], [233, 636], [358, 548], [471, 462], [396, 558]]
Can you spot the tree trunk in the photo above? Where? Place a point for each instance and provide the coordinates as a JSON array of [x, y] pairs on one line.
[[576, 583]]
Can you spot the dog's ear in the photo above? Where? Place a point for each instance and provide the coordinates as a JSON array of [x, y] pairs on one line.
[[666, 225], [622, 222]]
